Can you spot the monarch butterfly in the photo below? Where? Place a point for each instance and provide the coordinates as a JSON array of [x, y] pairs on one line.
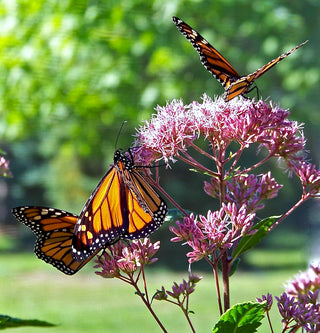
[[123, 205], [220, 68], [54, 231]]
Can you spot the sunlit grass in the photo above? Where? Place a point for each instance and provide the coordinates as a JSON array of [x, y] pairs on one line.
[[85, 302], [276, 259]]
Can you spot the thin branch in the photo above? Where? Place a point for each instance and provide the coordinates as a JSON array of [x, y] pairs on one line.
[[258, 164], [236, 157], [147, 304], [201, 151], [299, 202], [190, 160], [269, 321]]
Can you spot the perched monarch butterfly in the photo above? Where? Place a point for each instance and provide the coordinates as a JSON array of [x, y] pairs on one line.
[[54, 231], [123, 205], [220, 68]]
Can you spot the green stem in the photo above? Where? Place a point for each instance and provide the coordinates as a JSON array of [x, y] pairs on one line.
[[189, 321], [216, 280], [226, 285], [148, 305], [269, 321]]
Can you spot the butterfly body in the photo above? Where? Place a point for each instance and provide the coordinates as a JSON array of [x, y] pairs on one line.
[[54, 231], [220, 68], [123, 205]]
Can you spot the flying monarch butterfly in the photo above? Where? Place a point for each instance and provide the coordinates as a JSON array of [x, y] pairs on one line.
[[123, 205], [220, 68], [54, 231]]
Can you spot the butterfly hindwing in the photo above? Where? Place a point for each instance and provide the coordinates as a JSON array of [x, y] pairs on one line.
[[220, 68], [147, 210], [54, 230], [123, 205]]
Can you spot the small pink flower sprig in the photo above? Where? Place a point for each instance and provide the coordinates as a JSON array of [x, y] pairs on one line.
[[229, 128], [179, 295], [299, 305], [4, 167], [127, 262]]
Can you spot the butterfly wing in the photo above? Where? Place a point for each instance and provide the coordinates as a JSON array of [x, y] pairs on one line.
[[219, 67], [121, 206], [103, 219], [54, 231], [147, 210], [242, 85], [210, 58]]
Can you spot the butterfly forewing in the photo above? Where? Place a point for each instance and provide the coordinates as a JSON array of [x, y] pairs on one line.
[[210, 57], [103, 218], [54, 231], [220, 68], [272, 63]]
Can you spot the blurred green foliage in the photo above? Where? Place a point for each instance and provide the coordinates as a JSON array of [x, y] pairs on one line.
[[73, 71]]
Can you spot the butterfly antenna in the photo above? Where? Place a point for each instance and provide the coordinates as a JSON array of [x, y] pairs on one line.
[[120, 129]]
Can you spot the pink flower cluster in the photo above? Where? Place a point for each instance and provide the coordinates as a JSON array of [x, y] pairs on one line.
[[309, 176], [304, 312], [245, 189], [299, 305], [305, 282], [217, 231], [178, 290], [121, 258], [176, 126], [168, 132]]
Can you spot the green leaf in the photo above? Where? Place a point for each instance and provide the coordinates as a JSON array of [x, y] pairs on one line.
[[201, 172], [234, 266], [241, 318], [250, 241], [10, 322], [234, 173]]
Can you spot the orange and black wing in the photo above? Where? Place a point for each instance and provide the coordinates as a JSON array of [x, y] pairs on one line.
[[54, 231], [122, 205], [103, 219], [242, 85], [220, 68], [210, 58], [147, 210]]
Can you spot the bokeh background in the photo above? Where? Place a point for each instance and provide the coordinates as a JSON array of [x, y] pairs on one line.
[[72, 71]]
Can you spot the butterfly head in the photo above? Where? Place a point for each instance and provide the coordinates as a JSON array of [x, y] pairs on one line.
[[127, 161]]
